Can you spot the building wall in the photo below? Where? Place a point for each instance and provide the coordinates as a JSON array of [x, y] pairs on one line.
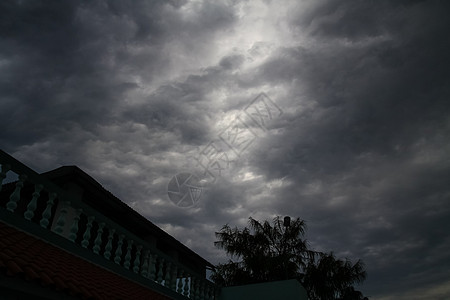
[[275, 290]]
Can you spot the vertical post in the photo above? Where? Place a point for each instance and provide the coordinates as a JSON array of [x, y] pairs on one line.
[[5, 169], [193, 288], [137, 260], [127, 262], [62, 217], [144, 268], [180, 283], [173, 276], [186, 285], [48, 211], [108, 247], [87, 233], [74, 228], [207, 291], [167, 279], [152, 267], [211, 292], [29, 214], [202, 290], [118, 257], [159, 276], [15, 196], [197, 289], [98, 239]]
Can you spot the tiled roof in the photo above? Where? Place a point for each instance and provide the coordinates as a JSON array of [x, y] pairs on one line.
[[25, 256]]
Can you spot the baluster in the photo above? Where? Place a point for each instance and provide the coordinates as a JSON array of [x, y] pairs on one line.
[[5, 169], [152, 266], [62, 217], [173, 283], [208, 294], [108, 247], [15, 196], [87, 233], [137, 260], [194, 282], [211, 292], [186, 285], [206, 291], [48, 210], [202, 290], [159, 276], [144, 269], [199, 289], [180, 283], [192, 289], [167, 278], [127, 262], [118, 257], [29, 214], [74, 228], [98, 239]]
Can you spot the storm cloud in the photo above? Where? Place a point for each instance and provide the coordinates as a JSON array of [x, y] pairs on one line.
[[132, 91]]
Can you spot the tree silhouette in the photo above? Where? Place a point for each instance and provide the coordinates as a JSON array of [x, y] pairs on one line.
[[332, 278], [264, 252]]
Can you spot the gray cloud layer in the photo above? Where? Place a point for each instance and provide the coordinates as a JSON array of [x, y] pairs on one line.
[[130, 91]]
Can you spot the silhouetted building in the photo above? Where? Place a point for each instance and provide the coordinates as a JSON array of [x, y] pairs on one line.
[[63, 236]]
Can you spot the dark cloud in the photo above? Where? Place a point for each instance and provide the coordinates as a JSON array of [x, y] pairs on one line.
[[131, 91], [379, 84]]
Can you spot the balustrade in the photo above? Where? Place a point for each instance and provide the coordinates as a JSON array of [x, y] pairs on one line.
[[65, 213]]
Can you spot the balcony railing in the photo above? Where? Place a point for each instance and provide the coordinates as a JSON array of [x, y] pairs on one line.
[[54, 209]]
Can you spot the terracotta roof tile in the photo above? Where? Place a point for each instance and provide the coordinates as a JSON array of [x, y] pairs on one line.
[[25, 256], [29, 273], [45, 279], [13, 268]]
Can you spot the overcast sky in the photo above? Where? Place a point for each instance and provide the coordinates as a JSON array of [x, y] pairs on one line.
[[357, 142]]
